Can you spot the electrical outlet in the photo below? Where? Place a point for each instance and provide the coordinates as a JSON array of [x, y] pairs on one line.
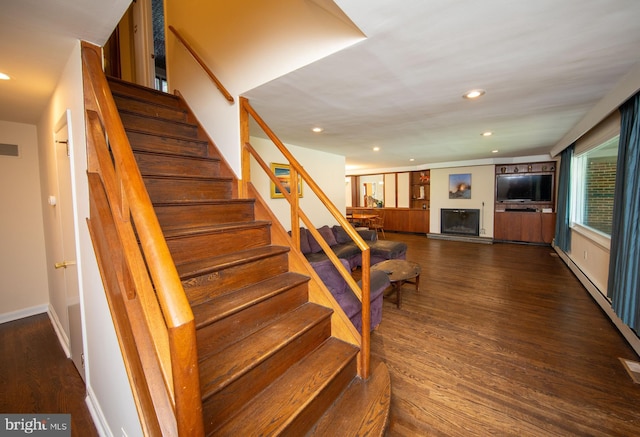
[[482, 231]]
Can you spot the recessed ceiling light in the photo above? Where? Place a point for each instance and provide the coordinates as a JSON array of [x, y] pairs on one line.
[[411, 159], [494, 151], [473, 94], [4, 76], [317, 129], [486, 134], [375, 149]]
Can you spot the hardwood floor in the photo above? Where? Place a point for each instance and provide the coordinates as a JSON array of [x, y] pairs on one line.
[[502, 340], [37, 377]]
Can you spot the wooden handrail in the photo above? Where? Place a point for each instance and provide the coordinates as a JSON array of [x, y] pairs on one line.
[[199, 60], [168, 324], [296, 214]]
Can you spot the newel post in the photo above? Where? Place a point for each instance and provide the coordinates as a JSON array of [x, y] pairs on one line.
[[243, 188]]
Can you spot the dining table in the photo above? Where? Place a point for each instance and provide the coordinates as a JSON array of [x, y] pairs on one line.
[[364, 218]]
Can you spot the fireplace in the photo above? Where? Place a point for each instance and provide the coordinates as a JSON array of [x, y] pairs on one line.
[[460, 221]]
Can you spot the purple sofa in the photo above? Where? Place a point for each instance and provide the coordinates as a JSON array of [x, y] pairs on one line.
[[351, 257], [346, 298], [345, 248]]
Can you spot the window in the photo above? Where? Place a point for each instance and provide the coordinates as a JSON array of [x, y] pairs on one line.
[[594, 177]]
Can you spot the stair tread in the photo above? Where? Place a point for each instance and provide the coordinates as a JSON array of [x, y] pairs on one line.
[[363, 408], [189, 178], [276, 406], [168, 121], [239, 358], [132, 85], [174, 155], [170, 105], [212, 264], [224, 305], [214, 228], [179, 203], [165, 135]]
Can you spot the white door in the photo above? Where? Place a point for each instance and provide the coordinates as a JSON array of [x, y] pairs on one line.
[[65, 262]]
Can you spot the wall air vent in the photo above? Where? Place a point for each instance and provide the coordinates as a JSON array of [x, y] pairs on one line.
[[9, 150]]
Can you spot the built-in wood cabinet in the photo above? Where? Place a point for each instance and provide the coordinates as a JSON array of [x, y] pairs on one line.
[[531, 219], [524, 226], [399, 219]]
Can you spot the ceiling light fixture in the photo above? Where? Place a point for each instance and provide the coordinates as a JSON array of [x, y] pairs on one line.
[[411, 159], [473, 94], [317, 130], [4, 76], [494, 151], [375, 149], [486, 134]]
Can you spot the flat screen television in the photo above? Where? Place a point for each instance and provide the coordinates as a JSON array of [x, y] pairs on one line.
[[524, 188]]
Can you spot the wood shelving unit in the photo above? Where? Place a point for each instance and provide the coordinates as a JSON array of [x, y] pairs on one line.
[[420, 189]]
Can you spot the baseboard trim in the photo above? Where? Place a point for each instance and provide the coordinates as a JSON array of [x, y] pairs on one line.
[[63, 338], [599, 297], [25, 312], [96, 414]]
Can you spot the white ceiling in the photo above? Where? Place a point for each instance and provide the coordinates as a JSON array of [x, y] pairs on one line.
[[543, 63], [36, 40]]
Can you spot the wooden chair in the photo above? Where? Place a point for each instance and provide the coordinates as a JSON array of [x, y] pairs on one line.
[[377, 224]]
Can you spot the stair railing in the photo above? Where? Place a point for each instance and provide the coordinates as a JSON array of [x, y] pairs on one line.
[[153, 318], [296, 171], [202, 64]]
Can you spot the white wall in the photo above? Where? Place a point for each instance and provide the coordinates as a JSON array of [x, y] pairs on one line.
[[109, 394], [24, 289], [325, 168], [482, 190], [246, 44]]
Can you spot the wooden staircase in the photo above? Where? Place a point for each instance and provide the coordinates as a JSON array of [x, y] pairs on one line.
[[268, 363]]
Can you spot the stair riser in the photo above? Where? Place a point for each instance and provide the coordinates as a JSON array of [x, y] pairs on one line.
[[182, 216], [234, 328], [149, 110], [220, 406], [319, 405], [144, 93], [154, 143], [202, 287], [151, 125], [179, 190], [152, 164], [191, 248]]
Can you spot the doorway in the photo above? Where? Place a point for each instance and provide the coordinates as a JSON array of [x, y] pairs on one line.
[[66, 282], [135, 52]]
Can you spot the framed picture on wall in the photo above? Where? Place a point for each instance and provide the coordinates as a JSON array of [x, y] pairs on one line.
[[460, 186], [283, 173]]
